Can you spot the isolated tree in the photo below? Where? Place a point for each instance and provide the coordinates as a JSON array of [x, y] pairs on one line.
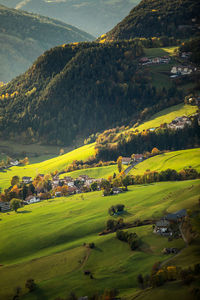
[[155, 151], [15, 204], [15, 180], [119, 164], [126, 181]]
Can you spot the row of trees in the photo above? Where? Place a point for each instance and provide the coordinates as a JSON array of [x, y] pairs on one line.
[[110, 147]]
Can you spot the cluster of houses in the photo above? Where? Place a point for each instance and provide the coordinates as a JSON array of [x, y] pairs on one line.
[[136, 159], [182, 70], [163, 227], [156, 60], [75, 186], [179, 123]]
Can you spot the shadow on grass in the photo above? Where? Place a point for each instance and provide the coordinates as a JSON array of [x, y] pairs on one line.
[[98, 249], [24, 212]]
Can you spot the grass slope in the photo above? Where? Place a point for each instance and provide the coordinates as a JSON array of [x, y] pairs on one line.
[[176, 160], [47, 166], [167, 116], [100, 172], [44, 241]]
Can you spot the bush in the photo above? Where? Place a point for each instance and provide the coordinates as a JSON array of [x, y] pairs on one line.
[[30, 284]]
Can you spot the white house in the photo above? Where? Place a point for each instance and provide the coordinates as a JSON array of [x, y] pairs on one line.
[[32, 199]]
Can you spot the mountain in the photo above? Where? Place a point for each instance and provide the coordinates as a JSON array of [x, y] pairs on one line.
[[93, 16], [73, 90], [177, 18], [25, 36]]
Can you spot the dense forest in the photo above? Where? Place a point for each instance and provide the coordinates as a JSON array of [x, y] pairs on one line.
[[74, 90], [177, 18], [25, 36]]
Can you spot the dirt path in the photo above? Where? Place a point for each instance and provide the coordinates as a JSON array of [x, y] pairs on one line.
[[85, 258]]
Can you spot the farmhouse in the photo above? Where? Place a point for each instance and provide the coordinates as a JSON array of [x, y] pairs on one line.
[[162, 227], [182, 70], [138, 157], [31, 199], [14, 163], [177, 216], [179, 123], [126, 160], [116, 190], [26, 179]]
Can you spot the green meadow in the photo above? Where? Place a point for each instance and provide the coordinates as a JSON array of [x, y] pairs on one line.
[[47, 166], [44, 241], [176, 160], [167, 116], [99, 172]]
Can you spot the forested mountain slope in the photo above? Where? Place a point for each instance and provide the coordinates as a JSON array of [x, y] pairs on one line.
[[25, 36], [74, 90], [177, 18], [93, 16]]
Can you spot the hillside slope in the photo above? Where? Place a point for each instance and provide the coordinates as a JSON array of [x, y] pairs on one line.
[[49, 237], [25, 36], [176, 160], [177, 18], [51, 101], [47, 166], [93, 16]]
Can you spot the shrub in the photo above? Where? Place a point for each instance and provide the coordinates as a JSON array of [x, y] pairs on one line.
[[30, 284]]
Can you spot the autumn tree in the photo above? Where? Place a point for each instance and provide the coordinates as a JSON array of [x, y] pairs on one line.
[[15, 180], [155, 151], [119, 164]]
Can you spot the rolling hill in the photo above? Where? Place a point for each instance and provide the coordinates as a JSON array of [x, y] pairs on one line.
[[55, 94], [172, 18], [25, 36], [47, 166], [177, 160], [93, 16], [49, 237]]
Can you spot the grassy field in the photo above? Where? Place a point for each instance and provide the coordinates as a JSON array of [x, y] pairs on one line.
[[100, 172], [44, 241], [35, 152], [154, 52], [176, 160], [57, 163], [167, 115]]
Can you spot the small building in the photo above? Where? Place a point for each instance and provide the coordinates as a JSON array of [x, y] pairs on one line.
[[177, 216], [138, 157], [162, 227], [116, 190], [144, 60], [83, 177], [32, 199], [57, 194], [26, 179], [126, 160], [14, 162]]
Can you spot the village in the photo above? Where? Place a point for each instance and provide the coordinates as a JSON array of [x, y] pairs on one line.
[[67, 186]]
